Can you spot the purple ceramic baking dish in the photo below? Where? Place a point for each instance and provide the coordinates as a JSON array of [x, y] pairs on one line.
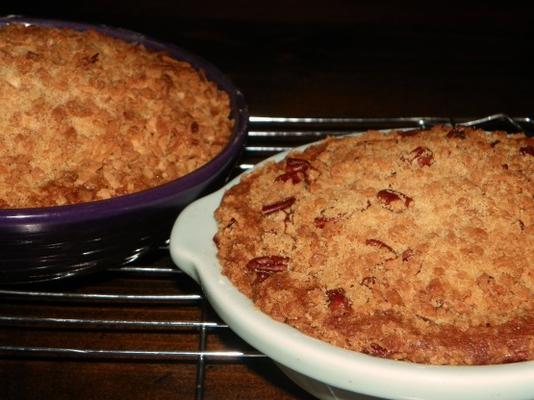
[[38, 244]]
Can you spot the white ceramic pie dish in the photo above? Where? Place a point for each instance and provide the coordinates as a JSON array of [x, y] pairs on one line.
[[326, 371]]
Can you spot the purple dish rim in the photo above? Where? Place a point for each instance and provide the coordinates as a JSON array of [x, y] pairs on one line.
[[156, 196]]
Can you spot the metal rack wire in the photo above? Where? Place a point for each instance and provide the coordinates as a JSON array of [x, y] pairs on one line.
[[267, 136]]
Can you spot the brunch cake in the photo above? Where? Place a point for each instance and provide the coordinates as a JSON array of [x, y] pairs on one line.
[[411, 245], [88, 117]]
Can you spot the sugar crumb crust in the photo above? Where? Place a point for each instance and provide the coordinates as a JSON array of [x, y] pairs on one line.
[[89, 117], [413, 245]]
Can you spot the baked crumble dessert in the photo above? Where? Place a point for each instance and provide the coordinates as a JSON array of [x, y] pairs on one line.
[[414, 245], [88, 117]]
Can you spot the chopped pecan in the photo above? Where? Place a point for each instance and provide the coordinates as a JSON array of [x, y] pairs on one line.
[[423, 318], [261, 276], [296, 169], [376, 350], [30, 55], [388, 196], [297, 165], [90, 59], [407, 254], [423, 155], [456, 133], [295, 178], [381, 245], [320, 222], [368, 281], [393, 297], [277, 206], [516, 356], [232, 222], [337, 301], [527, 150]]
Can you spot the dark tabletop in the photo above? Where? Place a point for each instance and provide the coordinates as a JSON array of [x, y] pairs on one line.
[[290, 58]]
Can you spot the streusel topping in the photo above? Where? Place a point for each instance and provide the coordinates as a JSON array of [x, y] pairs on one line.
[[413, 245], [88, 117]]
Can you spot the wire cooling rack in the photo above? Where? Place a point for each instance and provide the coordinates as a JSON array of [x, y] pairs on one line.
[[109, 301]]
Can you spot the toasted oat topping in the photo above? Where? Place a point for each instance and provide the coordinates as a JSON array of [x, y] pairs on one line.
[[88, 117], [414, 246]]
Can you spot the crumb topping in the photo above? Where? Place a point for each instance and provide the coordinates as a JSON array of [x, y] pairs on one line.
[[88, 117], [411, 245]]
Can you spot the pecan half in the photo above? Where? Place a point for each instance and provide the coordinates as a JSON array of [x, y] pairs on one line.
[[527, 150], [423, 155], [277, 206], [265, 266], [388, 196], [456, 133]]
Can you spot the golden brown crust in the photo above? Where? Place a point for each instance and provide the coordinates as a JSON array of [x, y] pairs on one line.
[[88, 117], [414, 246]]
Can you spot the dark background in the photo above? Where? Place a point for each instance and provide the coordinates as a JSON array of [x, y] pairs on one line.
[[343, 58]]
